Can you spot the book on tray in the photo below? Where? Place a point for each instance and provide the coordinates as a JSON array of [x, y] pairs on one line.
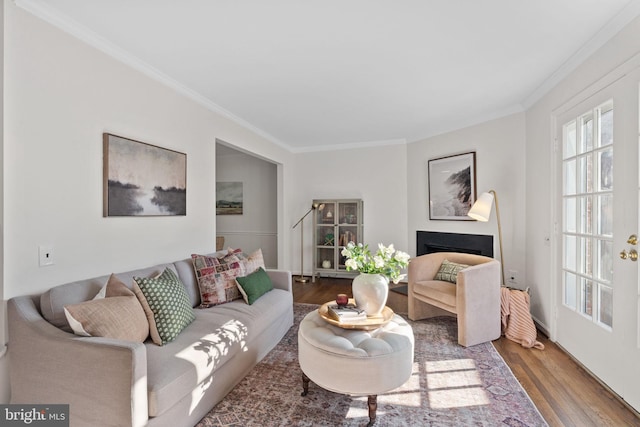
[[345, 313]]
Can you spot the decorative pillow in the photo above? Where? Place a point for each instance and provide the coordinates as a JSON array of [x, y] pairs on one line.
[[252, 262], [217, 277], [449, 271], [254, 285], [166, 304], [117, 315]]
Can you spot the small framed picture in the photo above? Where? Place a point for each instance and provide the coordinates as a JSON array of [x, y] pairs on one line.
[[229, 198], [452, 186]]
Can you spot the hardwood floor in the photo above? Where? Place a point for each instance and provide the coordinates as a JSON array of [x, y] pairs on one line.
[[565, 394]]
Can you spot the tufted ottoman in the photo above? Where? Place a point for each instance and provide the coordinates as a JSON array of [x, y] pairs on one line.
[[355, 362]]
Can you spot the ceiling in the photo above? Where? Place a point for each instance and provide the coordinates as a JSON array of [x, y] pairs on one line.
[[313, 75]]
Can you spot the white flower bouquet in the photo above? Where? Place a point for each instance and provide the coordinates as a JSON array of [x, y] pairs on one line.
[[387, 261]]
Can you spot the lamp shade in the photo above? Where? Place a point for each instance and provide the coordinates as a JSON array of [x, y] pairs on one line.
[[481, 209]]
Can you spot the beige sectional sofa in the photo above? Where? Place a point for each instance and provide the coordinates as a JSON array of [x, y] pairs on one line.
[[109, 382]]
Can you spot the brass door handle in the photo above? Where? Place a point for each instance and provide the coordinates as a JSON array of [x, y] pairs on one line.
[[632, 254], [632, 240]]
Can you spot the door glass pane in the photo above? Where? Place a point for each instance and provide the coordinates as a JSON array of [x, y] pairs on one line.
[[585, 256], [586, 297], [569, 140], [605, 306], [605, 260], [570, 253], [585, 172], [570, 177], [586, 135], [570, 214], [605, 169], [606, 126], [570, 290], [605, 215], [586, 214]]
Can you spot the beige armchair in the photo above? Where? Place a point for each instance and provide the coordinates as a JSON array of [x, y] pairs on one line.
[[475, 299]]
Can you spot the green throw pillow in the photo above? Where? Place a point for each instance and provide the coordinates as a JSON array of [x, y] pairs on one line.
[[254, 285], [166, 304], [449, 271]]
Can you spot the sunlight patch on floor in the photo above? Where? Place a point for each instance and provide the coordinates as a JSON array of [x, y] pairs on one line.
[[359, 412], [454, 384]]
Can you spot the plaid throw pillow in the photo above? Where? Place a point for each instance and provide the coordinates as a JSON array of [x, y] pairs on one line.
[[166, 304], [449, 271]]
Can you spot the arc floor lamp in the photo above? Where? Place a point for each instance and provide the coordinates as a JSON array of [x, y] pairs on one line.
[[481, 211], [320, 207]]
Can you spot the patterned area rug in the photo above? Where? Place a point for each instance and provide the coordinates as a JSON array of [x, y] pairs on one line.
[[450, 386]]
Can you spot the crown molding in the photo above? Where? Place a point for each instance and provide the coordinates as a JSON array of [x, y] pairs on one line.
[[468, 122], [349, 146], [48, 14], [606, 33]]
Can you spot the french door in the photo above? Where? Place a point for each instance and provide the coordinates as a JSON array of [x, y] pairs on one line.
[[597, 298]]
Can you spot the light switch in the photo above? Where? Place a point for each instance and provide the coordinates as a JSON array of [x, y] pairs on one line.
[[46, 255]]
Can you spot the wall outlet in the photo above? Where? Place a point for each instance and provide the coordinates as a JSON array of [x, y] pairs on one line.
[[512, 277], [45, 253]]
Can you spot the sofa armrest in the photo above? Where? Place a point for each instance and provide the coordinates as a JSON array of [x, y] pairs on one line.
[[103, 380], [281, 279], [478, 303]]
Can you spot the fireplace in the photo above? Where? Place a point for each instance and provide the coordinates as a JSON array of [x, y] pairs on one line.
[[430, 241]]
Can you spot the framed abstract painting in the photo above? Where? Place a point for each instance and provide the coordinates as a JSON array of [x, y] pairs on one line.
[[141, 179], [452, 186]]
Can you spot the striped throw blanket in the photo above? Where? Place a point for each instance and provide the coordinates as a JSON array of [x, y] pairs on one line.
[[517, 324]]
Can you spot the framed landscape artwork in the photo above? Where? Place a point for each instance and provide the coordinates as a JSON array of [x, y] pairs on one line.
[[228, 198], [141, 179], [452, 186]]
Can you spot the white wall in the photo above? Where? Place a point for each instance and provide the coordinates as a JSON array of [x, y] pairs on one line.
[[374, 174], [4, 369], [500, 166], [256, 228], [60, 95]]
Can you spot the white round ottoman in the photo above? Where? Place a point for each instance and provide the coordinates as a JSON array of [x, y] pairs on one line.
[[355, 362]]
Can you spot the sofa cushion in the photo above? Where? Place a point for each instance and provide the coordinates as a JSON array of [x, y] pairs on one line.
[[217, 335], [115, 314], [444, 292], [449, 271], [166, 304], [254, 285], [217, 277]]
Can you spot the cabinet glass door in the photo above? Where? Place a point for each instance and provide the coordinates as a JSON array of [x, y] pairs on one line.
[[326, 237], [347, 228], [336, 223]]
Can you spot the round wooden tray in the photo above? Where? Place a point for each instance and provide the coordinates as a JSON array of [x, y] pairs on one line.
[[370, 323]]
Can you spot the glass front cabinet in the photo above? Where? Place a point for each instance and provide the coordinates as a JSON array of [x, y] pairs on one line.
[[335, 223]]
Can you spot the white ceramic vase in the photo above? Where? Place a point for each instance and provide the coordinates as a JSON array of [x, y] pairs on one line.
[[370, 292]]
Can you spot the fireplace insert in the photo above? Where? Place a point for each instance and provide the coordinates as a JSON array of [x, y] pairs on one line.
[[431, 241]]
